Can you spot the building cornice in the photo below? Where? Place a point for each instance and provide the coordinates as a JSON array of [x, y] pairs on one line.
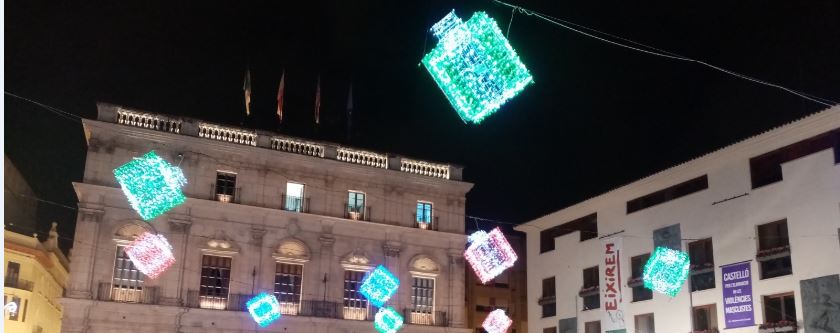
[[778, 137]]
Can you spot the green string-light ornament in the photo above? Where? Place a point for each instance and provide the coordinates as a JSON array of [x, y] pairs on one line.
[[475, 66], [666, 271], [151, 185]]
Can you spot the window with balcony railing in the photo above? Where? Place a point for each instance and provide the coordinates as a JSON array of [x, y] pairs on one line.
[[590, 292], [705, 318], [225, 188], [356, 205], [355, 305], [774, 250], [215, 282], [702, 264], [422, 301], [127, 285], [293, 199], [637, 264], [287, 287], [424, 214]]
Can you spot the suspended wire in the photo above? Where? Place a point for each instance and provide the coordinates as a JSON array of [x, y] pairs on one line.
[[661, 53], [512, 12]]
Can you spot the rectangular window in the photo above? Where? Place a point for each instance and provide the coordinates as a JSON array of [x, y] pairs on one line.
[[549, 298], [702, 264], [774, 250], [424, 213], [705, 318], [644, 323], [590, 291], [422, 301], [355, 305], [128, 281], [668, 194], [16, 315], [225, 186], [12, 274], [637, 265], [287, 287], [550, 330], [356, 205], [778, 308], [587, 225], [592, 327], [294, 197], [215, 282]]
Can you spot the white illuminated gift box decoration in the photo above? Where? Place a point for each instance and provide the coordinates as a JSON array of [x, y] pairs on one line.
[[489, 254], [151, 254], [497, 322]]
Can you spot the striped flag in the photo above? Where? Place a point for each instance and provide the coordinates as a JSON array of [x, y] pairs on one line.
[[280, 92], [247, 89], [318, 101]]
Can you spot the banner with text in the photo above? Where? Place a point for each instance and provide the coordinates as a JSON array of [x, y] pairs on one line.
[[737, 295], [612, 316]]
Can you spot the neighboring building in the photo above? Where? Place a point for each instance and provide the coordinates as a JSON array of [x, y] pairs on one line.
[[265, 213], [35, 274], [772, 201], [19, 201], [506, 291]]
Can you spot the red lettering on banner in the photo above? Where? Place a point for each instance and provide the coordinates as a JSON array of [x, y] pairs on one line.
[[611, 305], [609, 248]]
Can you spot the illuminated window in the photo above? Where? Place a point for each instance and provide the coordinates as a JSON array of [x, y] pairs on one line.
[[215, 282], [225, 186], [294, 200], [355, 305], [128, 280], [356, 205], [287, 287], [422, 300], [424, 212]]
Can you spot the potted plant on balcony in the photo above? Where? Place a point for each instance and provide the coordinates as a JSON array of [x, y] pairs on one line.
[[588, 291], [779, 326], [773, 253]]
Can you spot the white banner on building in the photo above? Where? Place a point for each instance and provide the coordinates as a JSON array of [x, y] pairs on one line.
[[612, 305]]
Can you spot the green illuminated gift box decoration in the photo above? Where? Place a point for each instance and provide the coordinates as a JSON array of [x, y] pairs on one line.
[[151, 185], [475, 66], [666, 271]]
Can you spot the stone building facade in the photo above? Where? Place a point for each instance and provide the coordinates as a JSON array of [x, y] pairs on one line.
[[264, 213]]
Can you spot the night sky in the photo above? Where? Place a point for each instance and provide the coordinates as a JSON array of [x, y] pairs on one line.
[[598, 116]]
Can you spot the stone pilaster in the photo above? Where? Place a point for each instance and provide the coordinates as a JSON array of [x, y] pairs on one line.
[[170, 284], [456, 287], [325, 270], [392, 251], [84, 253]]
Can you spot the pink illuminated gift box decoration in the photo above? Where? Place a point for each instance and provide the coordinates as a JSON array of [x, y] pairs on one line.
[[497, 322], [489, 254], [151, 254]]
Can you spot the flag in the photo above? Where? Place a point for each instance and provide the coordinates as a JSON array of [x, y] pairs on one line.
[[318, 101], [350, 112], [280, 92], [247, 89]]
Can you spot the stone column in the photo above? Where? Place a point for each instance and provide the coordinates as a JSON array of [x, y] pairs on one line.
[[326, 259], [456, 288], [83, 256], [171, 285], [257, 237]]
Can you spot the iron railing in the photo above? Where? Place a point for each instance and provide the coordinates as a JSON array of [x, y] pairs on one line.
[[144, 295], [436, 318], [233, 302], [431, 225], [295, 203], [17, 283], [222, 195]]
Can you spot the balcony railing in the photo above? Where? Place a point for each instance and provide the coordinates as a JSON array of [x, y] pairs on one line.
[[362, 157], [150, 121], [233, 302], [436, 318], [424, 168], [356, 212], [224, 194], [295, 203], [297, 147], [17, 283], [431, 225], [110, 293], [227, 134]]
